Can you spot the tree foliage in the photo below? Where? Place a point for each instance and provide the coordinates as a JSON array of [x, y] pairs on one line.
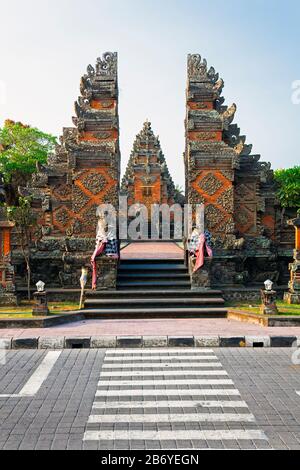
[[21, 147], [289, 186], [25, 223]]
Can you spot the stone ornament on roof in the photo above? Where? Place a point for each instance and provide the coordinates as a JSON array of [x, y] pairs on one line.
[[197, 70], [108, 65]]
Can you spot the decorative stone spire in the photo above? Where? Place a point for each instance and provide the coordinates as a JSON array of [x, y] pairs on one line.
[[147, 179]]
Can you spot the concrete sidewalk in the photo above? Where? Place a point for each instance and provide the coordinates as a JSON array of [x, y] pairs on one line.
[[153, 327]]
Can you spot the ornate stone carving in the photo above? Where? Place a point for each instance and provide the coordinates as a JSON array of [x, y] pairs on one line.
[[210, 184], [195, 197], [197, 68], [226, 200], [39, 180], [213, 216], [111, 197], [46, 204], [94, 182], [218, 87], [62, 216], [228, 115], [63, 191], [80, 199], [107, 65]]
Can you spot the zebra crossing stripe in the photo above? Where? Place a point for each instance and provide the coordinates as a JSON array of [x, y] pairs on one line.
[[144, 397], [186, 404], [166, 373], [141, 383], [220, 435], [173, 418], [162, 365], [38, 377], [128, 359], [196, 392], [163, 352]]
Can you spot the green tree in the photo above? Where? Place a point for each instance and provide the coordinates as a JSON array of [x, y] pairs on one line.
[[179, 194], [21, 148], [25, 223], [288, 187]]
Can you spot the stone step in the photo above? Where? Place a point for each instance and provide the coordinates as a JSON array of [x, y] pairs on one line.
[[151, 284], [183, 312], [163, 276], [152, 268], [154, 261], [131, 294], [155, 302]]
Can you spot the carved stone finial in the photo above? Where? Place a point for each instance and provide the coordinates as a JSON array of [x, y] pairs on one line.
[[219, 85], [197, 71], [90, 71], [228, 115], [147, 125], [108, 65], [197, 68]]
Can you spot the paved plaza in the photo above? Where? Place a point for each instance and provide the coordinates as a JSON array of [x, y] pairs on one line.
[[145, 327], [231, 398]]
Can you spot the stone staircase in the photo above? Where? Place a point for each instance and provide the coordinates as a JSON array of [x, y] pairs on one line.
[[154, 288]]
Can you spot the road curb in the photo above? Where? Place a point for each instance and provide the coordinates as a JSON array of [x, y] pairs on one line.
[[138, 342]]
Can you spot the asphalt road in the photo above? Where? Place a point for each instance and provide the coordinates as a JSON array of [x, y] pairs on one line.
[[150, 399]]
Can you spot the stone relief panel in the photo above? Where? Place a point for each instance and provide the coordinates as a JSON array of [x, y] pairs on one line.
[[80, 199], [214, 189], [90, 188], [245, 218], [94, 182], [62, 192], [210, 184]]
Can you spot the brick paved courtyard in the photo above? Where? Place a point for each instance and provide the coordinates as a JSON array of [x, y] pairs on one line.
[[150, 399]]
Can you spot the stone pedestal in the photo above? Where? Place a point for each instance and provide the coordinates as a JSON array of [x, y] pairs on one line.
[[291, 298], [8, 297], [41, 304], [201, 279], [107, 270], [268, 306]]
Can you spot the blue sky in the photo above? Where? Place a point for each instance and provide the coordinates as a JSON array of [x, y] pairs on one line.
[[254, 45]]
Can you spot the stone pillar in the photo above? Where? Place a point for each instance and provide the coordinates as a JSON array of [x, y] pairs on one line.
[[293, 296], [268, 306], [107, 269], [201, 279], [8, 295], [41, 304]]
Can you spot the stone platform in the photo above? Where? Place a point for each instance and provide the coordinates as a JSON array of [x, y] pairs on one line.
[[150, 250]]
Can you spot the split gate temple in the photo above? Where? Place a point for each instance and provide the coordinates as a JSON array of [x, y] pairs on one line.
[[251, 239]]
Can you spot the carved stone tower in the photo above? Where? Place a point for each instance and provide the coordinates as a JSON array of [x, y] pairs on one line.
[[236, 189], [147, 179], [83, 173]]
